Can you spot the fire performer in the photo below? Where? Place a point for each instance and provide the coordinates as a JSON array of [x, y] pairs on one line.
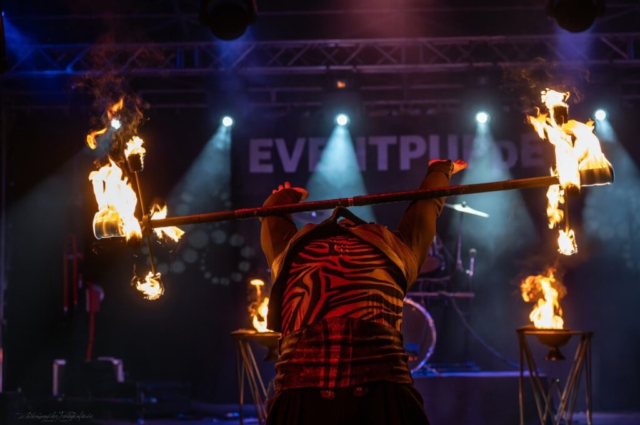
[[337, 297]]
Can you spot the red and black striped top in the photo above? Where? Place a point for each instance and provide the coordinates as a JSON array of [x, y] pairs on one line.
[[341, 276]]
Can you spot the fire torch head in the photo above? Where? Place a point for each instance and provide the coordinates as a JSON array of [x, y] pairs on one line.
[[107, 225], [560, 113], [136, 162], [597, 176]]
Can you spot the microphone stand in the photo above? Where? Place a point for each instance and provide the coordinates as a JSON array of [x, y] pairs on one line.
[[472, 253], [459, 265]]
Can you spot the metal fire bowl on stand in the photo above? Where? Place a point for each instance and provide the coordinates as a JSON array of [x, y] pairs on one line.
[[552, 338], [269, 340]]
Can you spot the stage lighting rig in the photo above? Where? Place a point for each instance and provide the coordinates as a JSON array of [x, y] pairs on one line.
[[575, 15], [227, 121], [227, 19], [482, 117], [342, 119], [601, 114]]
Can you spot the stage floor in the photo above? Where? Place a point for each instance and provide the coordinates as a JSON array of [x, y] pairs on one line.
[[599, 418]]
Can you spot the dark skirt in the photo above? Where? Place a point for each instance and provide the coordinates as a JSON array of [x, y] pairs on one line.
[[376, 403]]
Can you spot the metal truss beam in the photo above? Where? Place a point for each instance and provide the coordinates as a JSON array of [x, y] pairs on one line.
[[389, 74], [377, 56]]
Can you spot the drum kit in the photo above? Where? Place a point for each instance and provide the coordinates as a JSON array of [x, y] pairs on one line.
[[418, 328]]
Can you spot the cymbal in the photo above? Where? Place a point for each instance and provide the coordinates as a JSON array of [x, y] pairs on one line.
[[463, 208]]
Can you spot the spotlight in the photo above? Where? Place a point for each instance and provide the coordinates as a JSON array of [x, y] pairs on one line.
[[227, 121], [116, 124], [342, 119], [601, 114], [227, 19], [482, 117], [575, 15]]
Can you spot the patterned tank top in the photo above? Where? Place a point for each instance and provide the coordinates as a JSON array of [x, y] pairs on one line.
[[341, 276]]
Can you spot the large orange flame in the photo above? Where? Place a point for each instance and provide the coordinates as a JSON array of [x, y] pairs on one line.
[[260, 308], [116, 203], [545, 291], [576, 148]]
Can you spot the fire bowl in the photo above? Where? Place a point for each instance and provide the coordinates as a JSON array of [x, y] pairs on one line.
[[269, 340], [552, 338]]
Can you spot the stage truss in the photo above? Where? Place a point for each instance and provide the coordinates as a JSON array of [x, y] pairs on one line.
[[392, 73]]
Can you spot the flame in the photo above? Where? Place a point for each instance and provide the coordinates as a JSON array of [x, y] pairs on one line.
[[587, 146], [111, 112], [116, 203], [134, 146], [115, 108], [91, 137], [567, 242], [576, 148], [259, 309], [555, 196], [151, 287], [545, 291], [172, 232], [258, 283], [260, 319]]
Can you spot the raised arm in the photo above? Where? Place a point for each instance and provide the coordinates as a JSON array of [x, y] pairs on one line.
[[417, 226], [277, 230]]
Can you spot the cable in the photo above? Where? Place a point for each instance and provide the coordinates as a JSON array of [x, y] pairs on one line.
[[474, 333]]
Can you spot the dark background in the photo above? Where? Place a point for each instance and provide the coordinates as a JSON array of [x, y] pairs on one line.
[[185, 336]]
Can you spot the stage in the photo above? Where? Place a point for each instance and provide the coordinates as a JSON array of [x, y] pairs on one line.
[[579, 419], [489, 151], [463, 398], [227, 413]]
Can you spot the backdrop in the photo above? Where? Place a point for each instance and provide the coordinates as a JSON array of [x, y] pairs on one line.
[[197, 167]]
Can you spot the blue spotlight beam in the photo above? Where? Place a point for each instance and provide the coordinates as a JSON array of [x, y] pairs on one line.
[[588, 177]]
